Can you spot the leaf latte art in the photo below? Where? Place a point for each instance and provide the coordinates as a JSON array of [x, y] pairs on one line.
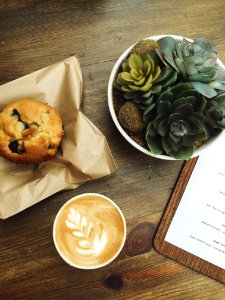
[[89, 231], [89, 242]]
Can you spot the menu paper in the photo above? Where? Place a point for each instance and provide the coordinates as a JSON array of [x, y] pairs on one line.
[[83, 155], [198, 225]]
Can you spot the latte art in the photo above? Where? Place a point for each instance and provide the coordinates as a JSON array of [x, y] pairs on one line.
[[91, 238], [89, 231]]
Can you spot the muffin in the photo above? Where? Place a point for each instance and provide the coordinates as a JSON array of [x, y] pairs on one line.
[[30, 131]]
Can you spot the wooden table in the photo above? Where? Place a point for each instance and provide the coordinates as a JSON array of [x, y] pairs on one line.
[[35, 34]]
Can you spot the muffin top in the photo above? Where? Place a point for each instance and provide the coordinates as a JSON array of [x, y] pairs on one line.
[[30, 131]]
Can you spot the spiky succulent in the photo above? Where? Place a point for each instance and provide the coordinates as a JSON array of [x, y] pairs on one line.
[[179, 119], [195, 61]]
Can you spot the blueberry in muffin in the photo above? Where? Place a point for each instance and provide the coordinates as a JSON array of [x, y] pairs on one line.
[[30, 131]]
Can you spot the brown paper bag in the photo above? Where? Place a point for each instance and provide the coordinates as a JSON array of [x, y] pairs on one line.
[[83, 155]]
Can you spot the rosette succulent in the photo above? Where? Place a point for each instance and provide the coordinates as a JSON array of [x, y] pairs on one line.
[[167, 77], [179, 120], [195, 61], [141, 76], [138, 73]]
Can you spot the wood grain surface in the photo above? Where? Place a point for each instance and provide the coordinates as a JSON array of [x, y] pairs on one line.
[[35, 34]]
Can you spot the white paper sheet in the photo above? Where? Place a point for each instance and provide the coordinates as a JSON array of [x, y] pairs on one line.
[[198, 226]]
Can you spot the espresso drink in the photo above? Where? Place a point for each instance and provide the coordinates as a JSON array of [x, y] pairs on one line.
[[89, 231]]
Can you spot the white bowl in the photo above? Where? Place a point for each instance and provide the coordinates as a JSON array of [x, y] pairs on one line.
[[112, 78]]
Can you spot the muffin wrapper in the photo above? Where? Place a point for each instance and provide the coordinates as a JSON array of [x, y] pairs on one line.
[[83, 154]]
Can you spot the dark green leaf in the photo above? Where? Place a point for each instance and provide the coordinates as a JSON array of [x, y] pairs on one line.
[[164, 73], [174, 138], [185, 109], [166, 146], [216, 115], [156, 89], [155, 58], [166, 96], [158, 120], [148, 112], [199, 116], [142, 106], [220, 98], [148, 101], [129, 95], [150, 131], [163, 128], [163, 108], [177, 89], [203, 135], [155, 146], [184, 153], [174, 145], [221, 124], [194, 126], [147, 95], [174, 117], [190, 99], [117, 85], [171, 79], [188, 140], [185, 93], [137, 98], [201, 104]]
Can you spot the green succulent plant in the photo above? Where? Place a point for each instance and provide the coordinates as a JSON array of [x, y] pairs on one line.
[[178, 120], [165, 77], [195, 61], [138, 73]]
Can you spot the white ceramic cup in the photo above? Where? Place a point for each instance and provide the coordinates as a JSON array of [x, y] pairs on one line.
[[89, 231]]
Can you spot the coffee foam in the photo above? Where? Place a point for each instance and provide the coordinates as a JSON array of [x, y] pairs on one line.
[[89, 231]]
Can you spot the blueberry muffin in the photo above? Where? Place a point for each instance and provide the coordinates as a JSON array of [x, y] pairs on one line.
[[30, 131]]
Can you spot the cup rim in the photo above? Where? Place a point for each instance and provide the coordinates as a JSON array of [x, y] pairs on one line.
[[113, 74], [54, 231]]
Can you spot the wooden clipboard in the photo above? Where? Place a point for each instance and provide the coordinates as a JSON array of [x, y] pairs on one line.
[[173, 251]]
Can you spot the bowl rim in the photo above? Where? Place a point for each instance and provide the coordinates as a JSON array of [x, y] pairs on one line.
[[112, 76]]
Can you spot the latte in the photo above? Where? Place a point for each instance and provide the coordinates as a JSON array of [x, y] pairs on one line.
[[89, 231]]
